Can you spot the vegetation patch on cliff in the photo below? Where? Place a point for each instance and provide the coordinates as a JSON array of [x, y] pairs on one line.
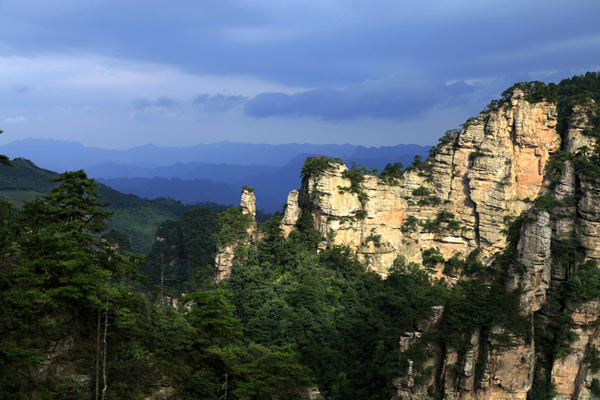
[[232, 226], [317, 165], [356, 174]]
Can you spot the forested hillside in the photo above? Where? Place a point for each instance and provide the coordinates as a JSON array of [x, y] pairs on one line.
[[491, 304], [136, 217], [70, 326], [472, 321], [183, 254]]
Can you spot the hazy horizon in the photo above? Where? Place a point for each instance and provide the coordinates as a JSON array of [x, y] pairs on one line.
[[210, 143], [118, 75]]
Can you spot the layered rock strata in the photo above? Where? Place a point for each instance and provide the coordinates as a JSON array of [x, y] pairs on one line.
[[480, 177], [491, 370]]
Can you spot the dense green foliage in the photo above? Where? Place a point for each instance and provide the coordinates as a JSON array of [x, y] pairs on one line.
[[392, 173], [26, 176], [184, 252], [232, 226], [63, 280], [135, 217], [535, 92], [575, 91], [54, 271], [118, 240], [138, 218], [315, 165], [423, 168], [344, 321]]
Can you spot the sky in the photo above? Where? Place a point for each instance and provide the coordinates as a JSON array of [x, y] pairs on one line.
[[124, 73]]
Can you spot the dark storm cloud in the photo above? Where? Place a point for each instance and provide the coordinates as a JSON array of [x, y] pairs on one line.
[[397, 103], [218, 102], [307, 44]]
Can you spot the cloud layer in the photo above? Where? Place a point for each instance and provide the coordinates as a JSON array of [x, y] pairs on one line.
[[262, 70], [218, 102], [367, 101]]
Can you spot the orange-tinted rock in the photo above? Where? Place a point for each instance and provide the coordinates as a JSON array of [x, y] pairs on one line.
[[248, 203], [481, 175]]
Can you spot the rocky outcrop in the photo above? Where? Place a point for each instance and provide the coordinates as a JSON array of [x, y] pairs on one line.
[[479, 177], [590, 216], [248, 202], [291, 213], [224, 262], [571, 375], [461, 199], [405, 385], [60, 365], [225, 254], [534, 274], [488, 370]]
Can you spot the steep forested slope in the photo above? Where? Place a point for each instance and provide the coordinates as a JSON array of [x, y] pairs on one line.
[[501, 221], [184, 252], [138, 218], [469, 275], [71, 328]]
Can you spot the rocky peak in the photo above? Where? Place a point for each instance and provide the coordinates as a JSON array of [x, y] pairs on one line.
[[460, 199], [248, 202], [291, 213], [488, 370], [225, 253]]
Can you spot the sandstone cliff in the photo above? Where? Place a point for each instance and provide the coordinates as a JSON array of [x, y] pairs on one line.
[[480, 177], [463, 198], [499, 168], [225, 252], [497, 371]]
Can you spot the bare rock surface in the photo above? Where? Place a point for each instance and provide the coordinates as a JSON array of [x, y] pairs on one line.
[[480, 178], [487, 172], [225, 254]]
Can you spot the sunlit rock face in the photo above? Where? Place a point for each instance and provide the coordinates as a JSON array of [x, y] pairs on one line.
[[478, 180], [291, 213], [481, 176], [519, 140]]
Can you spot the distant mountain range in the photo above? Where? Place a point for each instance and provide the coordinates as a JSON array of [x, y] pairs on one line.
[[206, 172], [137, 218]]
